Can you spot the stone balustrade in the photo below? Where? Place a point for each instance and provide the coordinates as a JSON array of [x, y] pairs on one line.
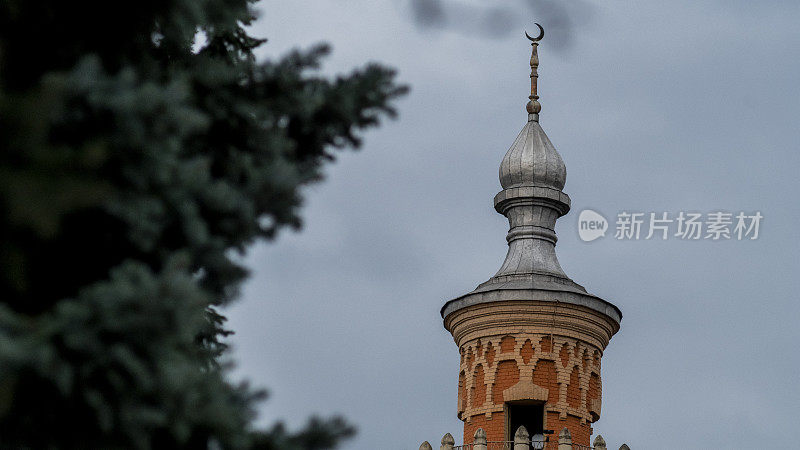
[[522, 441]]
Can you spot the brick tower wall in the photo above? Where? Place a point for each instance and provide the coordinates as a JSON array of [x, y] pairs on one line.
[[563, 372]]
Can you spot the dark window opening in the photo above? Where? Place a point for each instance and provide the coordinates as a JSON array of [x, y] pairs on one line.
[[531, 416]]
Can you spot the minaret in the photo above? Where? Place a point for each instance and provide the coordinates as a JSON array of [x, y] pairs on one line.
[[530, 338]]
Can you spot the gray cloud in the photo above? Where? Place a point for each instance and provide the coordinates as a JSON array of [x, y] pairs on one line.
[[496, 20], [344, 316]]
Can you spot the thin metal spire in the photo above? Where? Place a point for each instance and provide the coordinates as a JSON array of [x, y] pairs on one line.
[[533, 106]]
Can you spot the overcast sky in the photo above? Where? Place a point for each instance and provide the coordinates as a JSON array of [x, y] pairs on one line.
[[685, 105]]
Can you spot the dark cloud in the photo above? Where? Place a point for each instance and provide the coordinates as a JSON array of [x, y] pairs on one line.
[[344, 316], [559, 17], [428, 12]]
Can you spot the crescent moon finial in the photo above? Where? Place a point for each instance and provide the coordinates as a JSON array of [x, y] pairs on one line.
[[534, 107], [538, 38]]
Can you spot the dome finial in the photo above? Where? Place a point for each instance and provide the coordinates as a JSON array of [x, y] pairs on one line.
[[533, 106]]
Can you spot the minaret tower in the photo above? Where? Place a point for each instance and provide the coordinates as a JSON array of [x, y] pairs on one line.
[[530, 338]]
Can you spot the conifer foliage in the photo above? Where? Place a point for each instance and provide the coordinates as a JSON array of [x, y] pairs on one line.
[[142, 146]]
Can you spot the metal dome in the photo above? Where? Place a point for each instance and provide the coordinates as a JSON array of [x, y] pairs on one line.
[[532, 160]]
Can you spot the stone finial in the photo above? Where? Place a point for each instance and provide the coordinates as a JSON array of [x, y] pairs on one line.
[[425, 446], [624, 447], [522, 439], [599, 443], [479, 443], [565, 440], [447, 442]]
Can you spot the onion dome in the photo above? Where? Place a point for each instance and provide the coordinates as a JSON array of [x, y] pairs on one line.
[[532, 161]]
